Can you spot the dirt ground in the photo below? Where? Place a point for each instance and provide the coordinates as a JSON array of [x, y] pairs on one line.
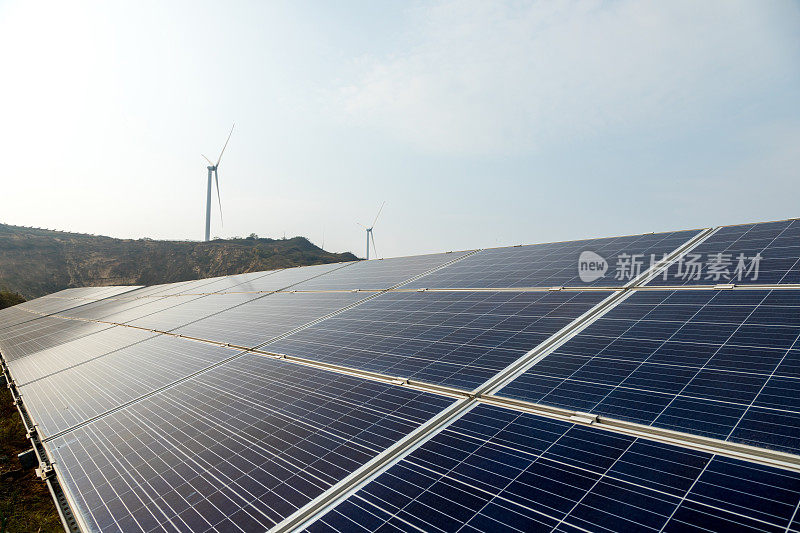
[[25, 502]]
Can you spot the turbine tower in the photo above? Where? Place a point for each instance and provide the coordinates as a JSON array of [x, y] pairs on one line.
[[369, 231], [212, 168]]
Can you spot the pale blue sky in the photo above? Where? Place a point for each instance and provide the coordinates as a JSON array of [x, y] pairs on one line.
[[480, 123]]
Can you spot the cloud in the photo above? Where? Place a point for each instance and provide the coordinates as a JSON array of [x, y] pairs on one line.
[[502, 78]]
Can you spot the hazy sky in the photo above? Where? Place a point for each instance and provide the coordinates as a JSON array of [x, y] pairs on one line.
[[480, 123]]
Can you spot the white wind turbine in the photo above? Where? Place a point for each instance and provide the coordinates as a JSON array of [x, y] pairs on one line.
[[369, 231], [212, 168]]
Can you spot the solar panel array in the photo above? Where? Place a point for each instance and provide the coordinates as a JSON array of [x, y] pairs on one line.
[[482, 390]]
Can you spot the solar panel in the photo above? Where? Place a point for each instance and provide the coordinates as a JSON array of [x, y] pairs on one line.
[[289, 277], [152, 432], [724, 364], [42, 333], [191, 310], [218, 284], [124, 311], [236, 448], [495, 469], [15, 316], [379, 273], [264, 318], [458, 339], [80, 350], [98, 385], [765, 253], [72, 298], [555, 264]]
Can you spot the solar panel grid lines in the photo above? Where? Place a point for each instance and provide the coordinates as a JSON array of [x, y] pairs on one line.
[[383, 274], [663, 265], [93, 389], [537, 353], [555, 263], [497, 469], [226, 397], [718, 363], [348, 486], [729, 376], [761, 253], [73, 353], [456, 339], [43, 333], [733, 450]]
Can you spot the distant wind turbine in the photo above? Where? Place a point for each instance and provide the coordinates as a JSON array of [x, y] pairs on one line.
[[212, 168], [369, 231]]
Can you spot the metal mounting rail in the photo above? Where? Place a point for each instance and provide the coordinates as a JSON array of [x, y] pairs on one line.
[[754, 454], [69, 519]]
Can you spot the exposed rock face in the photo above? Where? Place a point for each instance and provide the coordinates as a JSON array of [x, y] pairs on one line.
[[35, 262]]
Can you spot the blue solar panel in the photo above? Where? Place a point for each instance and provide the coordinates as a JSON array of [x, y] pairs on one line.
[[556, 264], [95, 386], [262, 319], [725, 364], [459, 339], [58, 358], [766, 253], [379, 273], [43, 333], [71, 298], [238, 447], [495, 469]]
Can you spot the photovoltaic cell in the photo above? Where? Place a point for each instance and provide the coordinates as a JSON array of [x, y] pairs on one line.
[[95, 386], [15, 316], [72, 298], [43, 333], [289, 277], [766, 253], [262, 319], [239, 447], [218, 284], [196, 308], [500, 470], [554, 264], [724, 364], [458, 339], [57, 358], [377, 274]]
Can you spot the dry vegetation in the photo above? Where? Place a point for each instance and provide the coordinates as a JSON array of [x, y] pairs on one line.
[[35, 262], [25, 502]]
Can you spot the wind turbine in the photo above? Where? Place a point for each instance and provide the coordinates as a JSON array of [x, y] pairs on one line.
[[369, 231], [212, 168]]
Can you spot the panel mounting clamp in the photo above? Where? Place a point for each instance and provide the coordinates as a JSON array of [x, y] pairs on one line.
[[583, 418]]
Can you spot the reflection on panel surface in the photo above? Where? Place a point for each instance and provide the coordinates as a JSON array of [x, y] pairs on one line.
[[241, 446], [724, 364], [555, 264], [459, 339], [501, 470]]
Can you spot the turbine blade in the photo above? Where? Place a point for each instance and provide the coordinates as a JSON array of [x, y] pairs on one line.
[[207, 159], [373, 244], [379, 214], [219, 200], [362, 225], [225, 146]]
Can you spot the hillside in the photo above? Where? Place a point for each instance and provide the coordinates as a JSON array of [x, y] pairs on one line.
[[35, 262]]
